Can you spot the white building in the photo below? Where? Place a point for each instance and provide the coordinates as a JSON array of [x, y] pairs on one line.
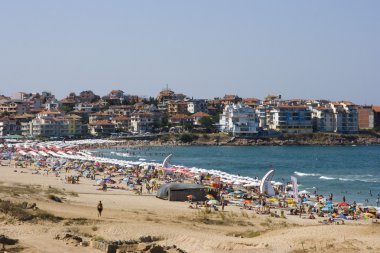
[[346, 117], [323, 119], [9, 126], [240, 120], [142, 122], [197, 105]]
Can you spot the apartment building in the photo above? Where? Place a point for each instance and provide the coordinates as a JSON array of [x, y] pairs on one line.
[[240, 120], [9, 126], [294, 119], [197, 105], [14, 107]]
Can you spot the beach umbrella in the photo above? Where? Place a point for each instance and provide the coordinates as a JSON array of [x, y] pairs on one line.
[[303, 192], [290, 201], [209, 196], [273, 199], [253, 184], [100, 182], [343, 203], [369, 215], [247, 201]]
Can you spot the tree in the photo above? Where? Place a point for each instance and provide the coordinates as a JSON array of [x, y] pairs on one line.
[[66, 109], [187, 137], [207, 123]]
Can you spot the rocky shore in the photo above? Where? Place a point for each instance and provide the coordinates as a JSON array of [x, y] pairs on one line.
[[317, 139]]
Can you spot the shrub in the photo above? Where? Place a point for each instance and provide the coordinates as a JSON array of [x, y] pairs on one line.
[[187, 137]]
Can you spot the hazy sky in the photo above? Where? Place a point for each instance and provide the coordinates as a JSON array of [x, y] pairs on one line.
[[300, 49]]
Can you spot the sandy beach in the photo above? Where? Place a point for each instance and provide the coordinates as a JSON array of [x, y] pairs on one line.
[[129, 216]]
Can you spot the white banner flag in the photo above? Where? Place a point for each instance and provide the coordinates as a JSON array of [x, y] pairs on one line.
[[295, 185]]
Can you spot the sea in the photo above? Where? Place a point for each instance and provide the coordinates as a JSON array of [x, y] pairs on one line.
[[349, 171]]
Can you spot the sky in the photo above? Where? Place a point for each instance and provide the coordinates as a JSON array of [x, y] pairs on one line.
[[300, 49]]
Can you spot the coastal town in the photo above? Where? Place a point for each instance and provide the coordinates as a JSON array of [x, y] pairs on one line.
[[118, 114]]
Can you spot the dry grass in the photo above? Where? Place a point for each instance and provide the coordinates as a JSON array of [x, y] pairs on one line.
[[53, 190], [209, 217], [77, 221], [19, 189], [17, 212]]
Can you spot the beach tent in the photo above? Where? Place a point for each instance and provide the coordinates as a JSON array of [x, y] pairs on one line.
[[179, 192]]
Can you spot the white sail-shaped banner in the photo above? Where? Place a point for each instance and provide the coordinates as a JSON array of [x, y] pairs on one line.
[[166, 164], [266, 186]]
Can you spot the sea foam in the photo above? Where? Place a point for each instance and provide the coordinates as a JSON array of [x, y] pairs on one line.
[[327, 178], [302, 174]]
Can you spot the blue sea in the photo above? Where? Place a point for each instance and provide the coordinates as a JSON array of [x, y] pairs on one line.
[[350, 171]]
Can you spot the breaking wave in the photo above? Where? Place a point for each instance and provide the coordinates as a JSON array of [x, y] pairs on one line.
[[327, 178], [301, 174]]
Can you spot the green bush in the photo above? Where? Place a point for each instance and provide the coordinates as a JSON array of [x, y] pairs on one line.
[[187, 137]]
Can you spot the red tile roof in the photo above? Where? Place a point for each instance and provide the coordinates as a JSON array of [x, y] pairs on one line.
[[200, 114], [51, 112], [120, 118], [181, 116], [101, 122], [376, 108], [293, 106]]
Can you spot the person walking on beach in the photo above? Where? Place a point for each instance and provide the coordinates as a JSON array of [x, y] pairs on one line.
[[100, 208]]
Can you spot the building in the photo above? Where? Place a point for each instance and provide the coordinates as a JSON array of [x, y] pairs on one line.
[[252, 102], [177, 107], [346, 117], [52, 123], [197, 105], [295, 119], [122, 123], [88, 96], [240, 120], [99, 116], [51, 104], [230, 99], [68, 103], [197, 116], [120, 110], [87, 107], [101, 128], [76, 127], [323, 119], [365, 117], [49, 127], [9, 126], [24, 122], [181, 120], [165, 95], [376, 116], [142, 122], [263, 113], [115, 97], [14, 107]]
